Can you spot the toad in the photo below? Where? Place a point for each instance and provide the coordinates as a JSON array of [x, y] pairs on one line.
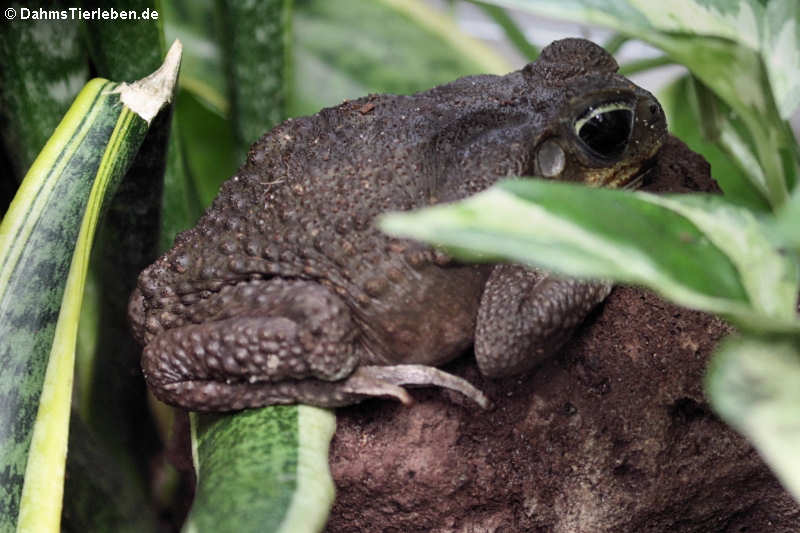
[[286, 292]]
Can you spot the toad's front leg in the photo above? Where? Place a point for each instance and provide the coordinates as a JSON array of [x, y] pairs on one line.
[[527, 315], [276, 342]]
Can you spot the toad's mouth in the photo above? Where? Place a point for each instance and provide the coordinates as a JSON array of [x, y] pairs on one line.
[[638, 177], [624, 177]]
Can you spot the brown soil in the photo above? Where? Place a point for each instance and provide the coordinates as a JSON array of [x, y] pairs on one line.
[[614, 435]]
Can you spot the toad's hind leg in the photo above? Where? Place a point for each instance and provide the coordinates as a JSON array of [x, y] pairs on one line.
[[274, 342], [264, 342]]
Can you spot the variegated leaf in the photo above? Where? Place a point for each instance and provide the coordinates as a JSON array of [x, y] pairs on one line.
[[781, 53]]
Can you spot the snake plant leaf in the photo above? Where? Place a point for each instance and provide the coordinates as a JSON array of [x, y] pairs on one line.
[[711, 255], [194, 23], [279, 481], [124, 51], [255, 39], [43, 66], [752, 385], [99, 495], [204, 150], [45, 239], [116, 409]]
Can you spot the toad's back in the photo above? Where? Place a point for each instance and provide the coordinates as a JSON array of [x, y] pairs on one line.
[[303, 206]]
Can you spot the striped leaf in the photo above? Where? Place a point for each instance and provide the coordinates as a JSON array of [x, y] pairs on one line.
[[256, 39], [262, 470], [45, 241], [44, 66]]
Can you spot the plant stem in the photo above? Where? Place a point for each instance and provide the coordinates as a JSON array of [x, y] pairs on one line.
[[511, 29], [615, 42], [640, 65]]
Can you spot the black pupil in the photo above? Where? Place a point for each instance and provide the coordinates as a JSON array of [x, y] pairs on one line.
[[607, 133]]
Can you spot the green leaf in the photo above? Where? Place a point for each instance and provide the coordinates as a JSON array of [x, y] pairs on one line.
[[203, 151], [122, 50], [207, 139], [737, 20], [769, 278], [781, 46], [42, 67], [100, 502], [181, 205], [710, 255], [753, 385], [787, 221], [348, 48], [262, 470], [721, 125], [255, 38], [194, 23], [46, 239], [511, 30], [683, 122]]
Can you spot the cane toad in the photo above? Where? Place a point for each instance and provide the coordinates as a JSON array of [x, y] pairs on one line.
[[285, 291]]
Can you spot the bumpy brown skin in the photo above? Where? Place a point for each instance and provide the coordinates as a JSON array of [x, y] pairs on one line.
[[286, 292]]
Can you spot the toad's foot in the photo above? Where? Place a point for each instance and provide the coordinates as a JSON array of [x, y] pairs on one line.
[[386, 381], [366, 382]]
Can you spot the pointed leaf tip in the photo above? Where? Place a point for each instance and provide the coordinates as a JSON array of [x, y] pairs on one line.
[[148, 95]]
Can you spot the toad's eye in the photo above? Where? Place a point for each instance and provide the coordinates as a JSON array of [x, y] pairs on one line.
[[606, 129]]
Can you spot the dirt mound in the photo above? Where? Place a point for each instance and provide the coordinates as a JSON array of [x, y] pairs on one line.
[[613, 435]]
